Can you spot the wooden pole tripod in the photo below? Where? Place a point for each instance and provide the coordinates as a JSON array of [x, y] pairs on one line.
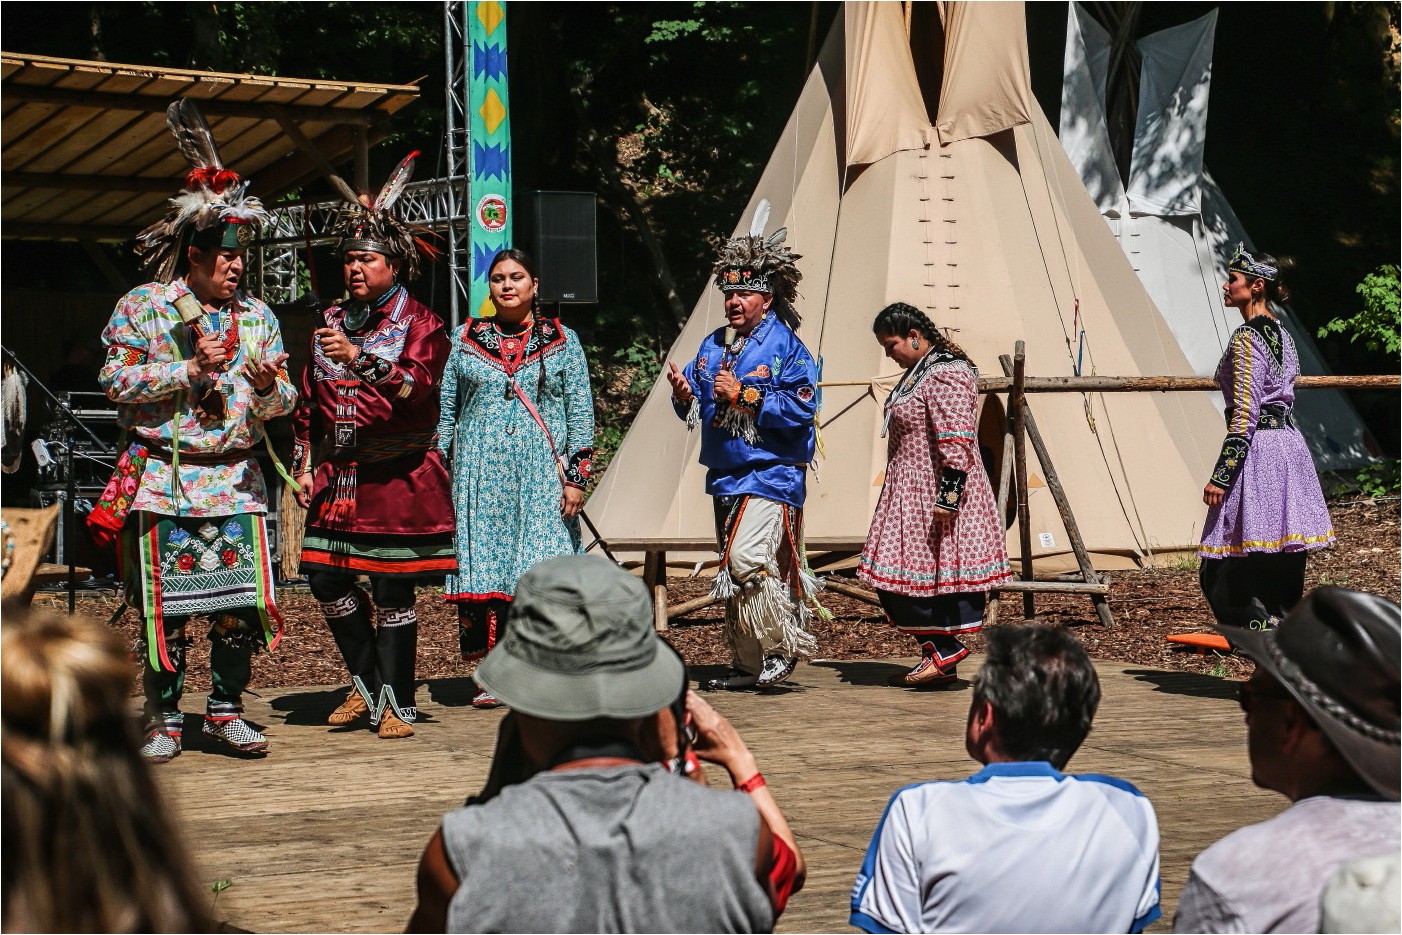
[[1021, 428]]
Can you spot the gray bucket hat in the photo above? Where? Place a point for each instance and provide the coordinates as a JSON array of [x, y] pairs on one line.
[[579, 644], [1337, 653]]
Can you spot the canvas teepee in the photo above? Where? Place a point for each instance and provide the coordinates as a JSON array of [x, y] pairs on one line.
[[1171, 218], [917, 167]]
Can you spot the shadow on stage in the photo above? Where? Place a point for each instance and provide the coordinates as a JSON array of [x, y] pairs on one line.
[[1192, 684], [862, 673]]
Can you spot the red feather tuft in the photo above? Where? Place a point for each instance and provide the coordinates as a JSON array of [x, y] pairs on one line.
[[214, 179], [427, 249]]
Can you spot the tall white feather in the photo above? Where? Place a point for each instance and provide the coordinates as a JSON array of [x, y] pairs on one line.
[[761, 218]]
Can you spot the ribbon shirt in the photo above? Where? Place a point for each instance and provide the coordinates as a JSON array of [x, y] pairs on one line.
[[762, 443]]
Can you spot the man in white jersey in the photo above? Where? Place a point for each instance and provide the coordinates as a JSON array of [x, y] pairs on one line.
[[1018, 846]]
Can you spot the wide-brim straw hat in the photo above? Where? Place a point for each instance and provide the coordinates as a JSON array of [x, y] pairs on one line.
[[26, 537], [579, 644]]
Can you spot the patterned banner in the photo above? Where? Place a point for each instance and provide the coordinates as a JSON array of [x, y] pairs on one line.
[[489, 139]]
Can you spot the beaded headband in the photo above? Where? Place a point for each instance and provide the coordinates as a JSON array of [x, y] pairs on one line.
[[1243, 262]]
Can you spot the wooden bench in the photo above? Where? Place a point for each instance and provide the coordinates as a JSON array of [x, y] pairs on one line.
[[822, 550]]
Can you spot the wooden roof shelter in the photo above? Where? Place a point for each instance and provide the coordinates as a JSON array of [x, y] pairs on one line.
[[86, 155]]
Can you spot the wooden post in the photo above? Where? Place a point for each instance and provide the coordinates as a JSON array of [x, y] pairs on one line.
[[686, 607], [852, 590], [655, 577], [1063, 506], [1016, 410], [291, 526], [1005, 482]]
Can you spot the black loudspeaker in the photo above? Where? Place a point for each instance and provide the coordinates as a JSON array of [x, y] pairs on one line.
[[557, 229]]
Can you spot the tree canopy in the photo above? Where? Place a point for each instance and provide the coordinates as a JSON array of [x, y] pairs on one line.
[[668, 111]]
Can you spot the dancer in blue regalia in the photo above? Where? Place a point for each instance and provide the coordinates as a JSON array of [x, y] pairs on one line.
[[751, 390]]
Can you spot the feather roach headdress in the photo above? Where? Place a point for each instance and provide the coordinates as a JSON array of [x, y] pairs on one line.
[[761, 264], [376, 225], [213, 210]]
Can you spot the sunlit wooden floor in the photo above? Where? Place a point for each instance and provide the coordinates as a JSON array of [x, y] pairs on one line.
[[324, 834]]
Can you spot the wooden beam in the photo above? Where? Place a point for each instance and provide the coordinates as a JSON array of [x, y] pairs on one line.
[[686, 607], [1092, 583], [91, 183], [28, 230], [1331, 381], [1175, 384], [211, 107], [362, 160], [298, 169], [103, 262], [1017, 411], [814, 544], [1055, 587], [307, 148], [1028, 425], [655, 577], [851, 590]]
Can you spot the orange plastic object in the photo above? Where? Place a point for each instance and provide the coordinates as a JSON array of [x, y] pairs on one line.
[[1201, 642]]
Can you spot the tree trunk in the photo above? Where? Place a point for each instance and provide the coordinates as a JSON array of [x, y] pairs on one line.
[[625, 202]]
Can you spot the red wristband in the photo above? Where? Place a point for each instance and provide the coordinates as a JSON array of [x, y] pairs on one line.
[[750, 785]]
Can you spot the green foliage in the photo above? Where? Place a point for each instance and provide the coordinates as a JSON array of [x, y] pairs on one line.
[[219, 886], [1185, 562], [1382, 479], [1220, 670], [1379, 324]]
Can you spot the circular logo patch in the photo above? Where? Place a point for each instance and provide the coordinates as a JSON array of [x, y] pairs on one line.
[[491, 213], [244, 235]]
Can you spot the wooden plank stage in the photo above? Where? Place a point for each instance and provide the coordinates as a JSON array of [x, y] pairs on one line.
[[324, 834]]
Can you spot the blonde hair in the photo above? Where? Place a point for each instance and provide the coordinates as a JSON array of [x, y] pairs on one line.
[[87, 843]]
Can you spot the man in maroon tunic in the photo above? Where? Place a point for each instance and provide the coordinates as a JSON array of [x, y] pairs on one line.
[[378, 504]]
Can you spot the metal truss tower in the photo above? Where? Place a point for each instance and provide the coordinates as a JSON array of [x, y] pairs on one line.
[[459, 152], [438, 204]]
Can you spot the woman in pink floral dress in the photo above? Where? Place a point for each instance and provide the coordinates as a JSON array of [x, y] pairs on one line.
[[936, 546]]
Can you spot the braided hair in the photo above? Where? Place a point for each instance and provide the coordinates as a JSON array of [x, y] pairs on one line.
[[521, 257], [898, 318]]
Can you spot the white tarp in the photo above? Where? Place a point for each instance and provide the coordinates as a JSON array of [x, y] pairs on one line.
[[1083, 132], [885, 112], [1181, 260], [1171, 128], [986, 86]]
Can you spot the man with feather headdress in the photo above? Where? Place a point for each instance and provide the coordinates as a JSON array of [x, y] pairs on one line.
[[751, 388], [197, 366], [378, 502]]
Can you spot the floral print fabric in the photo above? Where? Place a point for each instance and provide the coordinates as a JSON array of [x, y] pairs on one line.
[[910, 549], [1274, 502], [506, 483], [147, 347]]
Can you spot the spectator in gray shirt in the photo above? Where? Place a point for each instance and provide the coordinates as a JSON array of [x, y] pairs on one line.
[[1322, 718], [581, 828]]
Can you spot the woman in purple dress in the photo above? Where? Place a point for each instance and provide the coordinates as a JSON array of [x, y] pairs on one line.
[[1265, 506]]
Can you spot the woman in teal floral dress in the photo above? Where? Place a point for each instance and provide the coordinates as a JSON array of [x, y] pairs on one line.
[[518, 427]]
